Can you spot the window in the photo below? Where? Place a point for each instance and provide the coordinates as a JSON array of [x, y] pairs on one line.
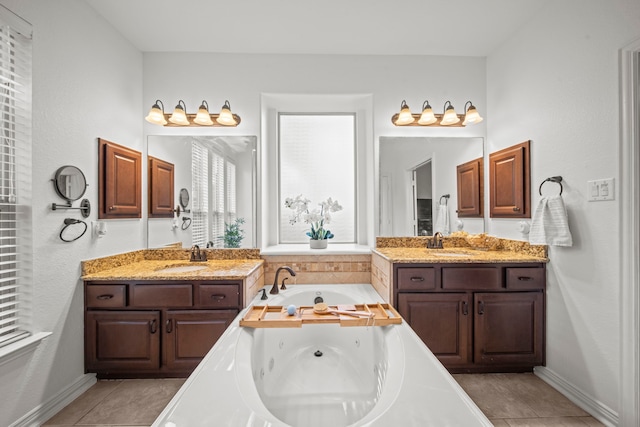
[[15, 175], [214, 195], [317, 160]]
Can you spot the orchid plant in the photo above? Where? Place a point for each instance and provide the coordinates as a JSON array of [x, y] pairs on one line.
[[317, 217]]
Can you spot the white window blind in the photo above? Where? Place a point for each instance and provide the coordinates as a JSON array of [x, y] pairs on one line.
[[317, 161], [15, 175], [200, 192], [217, 187], [232, 209]]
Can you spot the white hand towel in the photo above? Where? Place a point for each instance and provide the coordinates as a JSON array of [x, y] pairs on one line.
[[442, 220], [550, 225]]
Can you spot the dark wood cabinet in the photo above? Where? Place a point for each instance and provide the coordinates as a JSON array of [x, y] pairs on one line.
[[470, 177], [151, 329], [476, 317], [161, 197], [510, 182], [119, 181]]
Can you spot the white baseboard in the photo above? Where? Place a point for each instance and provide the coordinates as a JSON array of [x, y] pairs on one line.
[[596, 409], [43, 412]]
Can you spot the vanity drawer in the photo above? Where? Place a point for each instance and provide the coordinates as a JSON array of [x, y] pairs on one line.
[[471, 278], [522, 278], [160, 296], [416, 278], [218, 296], [106, 296]]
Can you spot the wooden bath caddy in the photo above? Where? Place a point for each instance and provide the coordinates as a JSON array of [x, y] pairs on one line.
[[276, 316]]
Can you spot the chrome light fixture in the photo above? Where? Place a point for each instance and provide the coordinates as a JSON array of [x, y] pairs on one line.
[[448, 118], [180, 117]]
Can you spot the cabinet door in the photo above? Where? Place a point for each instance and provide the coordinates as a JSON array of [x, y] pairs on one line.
[[510, 182], [119, 181], [470, 189], [189, 335], [509, 328], [122, 341], [443, 321], [160, 179]]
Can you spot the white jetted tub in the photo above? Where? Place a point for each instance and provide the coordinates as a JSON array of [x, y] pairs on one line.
[[320, 375]]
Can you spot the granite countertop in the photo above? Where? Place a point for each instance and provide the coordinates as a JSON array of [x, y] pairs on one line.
[[454, 255], [217, 269]]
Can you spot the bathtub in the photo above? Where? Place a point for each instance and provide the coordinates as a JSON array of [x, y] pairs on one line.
[[320, 375]]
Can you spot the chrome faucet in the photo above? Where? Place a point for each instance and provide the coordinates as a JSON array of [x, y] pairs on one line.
[[196, 255], [274, 288], [435, 242]]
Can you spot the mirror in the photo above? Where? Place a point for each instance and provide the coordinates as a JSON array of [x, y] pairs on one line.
[[415, 176], [70, 183], [237, 152]]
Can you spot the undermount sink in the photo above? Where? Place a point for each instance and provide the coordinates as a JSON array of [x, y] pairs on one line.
[[182, 269]]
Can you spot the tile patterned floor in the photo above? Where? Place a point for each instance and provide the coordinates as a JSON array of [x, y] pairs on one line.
[[521, 400]]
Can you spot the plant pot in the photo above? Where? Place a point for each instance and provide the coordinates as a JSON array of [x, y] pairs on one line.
[[318, 244]]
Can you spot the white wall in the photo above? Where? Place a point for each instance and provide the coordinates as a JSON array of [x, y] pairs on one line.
[[556, 82], [87, 83]]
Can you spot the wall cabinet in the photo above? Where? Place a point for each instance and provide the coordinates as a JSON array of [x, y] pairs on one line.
[[470, 189], [161, 198], [151, 329], [476, 317], [510, 182], [119, 181]]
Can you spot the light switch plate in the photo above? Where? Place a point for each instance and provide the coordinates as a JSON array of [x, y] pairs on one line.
[[600, 189]]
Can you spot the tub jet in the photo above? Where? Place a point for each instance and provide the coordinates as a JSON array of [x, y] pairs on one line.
[[318, 353]]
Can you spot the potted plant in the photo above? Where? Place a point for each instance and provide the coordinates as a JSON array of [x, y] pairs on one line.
[[233, 234], [317, 218]]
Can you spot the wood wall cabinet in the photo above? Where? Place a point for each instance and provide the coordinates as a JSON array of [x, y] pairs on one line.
[[152, 329], [119, 181], [476, 317], [161, 196], [470, 189], [510, 182]]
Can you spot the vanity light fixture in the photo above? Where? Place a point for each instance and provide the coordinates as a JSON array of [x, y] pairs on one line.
[[180, 117], [448, 118]]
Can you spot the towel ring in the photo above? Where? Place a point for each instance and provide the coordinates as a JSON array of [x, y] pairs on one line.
[[556, 179], [445, 196]]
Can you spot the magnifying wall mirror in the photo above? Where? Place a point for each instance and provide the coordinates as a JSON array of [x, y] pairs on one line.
[[70, 183], [184, 198]]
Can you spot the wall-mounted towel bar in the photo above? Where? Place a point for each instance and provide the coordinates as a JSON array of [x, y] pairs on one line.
[[556, 179]]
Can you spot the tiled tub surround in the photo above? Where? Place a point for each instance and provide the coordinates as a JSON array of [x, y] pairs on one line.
[[311, 269]]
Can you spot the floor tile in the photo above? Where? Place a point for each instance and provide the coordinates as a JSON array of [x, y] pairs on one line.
[[135, 402], [547, 422], [73, 412]]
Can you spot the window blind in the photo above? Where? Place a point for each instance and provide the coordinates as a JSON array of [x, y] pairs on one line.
[[15, 175], [200, 192], [217, 187], [232, 210]]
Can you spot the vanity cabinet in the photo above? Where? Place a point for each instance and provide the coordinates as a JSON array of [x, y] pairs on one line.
[[153, 329], [476, 317]]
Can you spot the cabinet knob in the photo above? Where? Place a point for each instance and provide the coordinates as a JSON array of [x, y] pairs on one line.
[[516, 209]]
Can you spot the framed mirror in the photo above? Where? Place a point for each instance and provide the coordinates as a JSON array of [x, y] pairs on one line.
[[70, 183], [415, 176], [218, 178]]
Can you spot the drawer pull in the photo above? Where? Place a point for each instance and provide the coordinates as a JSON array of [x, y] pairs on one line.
[[465, 308], [525, 278], [153, 326], [480, 307], [218, 297], [104, 297], [417, 279], [169, 326]]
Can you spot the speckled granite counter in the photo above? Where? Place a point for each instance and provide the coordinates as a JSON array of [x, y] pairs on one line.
[[222, 264], [454, 255]]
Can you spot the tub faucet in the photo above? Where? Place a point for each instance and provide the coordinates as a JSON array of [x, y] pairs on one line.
[[274, 289], [435, 242]]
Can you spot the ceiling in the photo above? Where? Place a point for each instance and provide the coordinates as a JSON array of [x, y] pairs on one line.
[[375, 27]]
